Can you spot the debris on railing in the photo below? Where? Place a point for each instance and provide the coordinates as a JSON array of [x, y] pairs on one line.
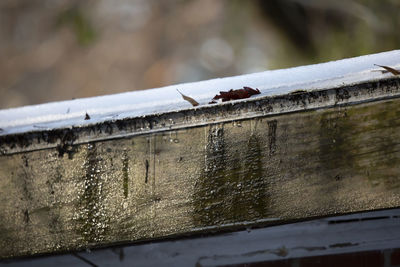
[[189, 99], [388, 69], [236, 94]]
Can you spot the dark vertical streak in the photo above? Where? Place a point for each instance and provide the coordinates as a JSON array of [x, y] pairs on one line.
[[25, 159], [125, 166], [26, 188], [147, 171], [272, 125], [26, 216], [154, 162]]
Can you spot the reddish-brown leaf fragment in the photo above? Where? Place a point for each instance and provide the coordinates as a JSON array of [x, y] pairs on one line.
[[389, 69], [87, 117], [232, 94], [251, 90], [189, 99]]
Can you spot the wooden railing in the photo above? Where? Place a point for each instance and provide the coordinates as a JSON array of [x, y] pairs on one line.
[[265, 160]]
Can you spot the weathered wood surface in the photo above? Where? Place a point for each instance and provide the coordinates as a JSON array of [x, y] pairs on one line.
[[296, 165]]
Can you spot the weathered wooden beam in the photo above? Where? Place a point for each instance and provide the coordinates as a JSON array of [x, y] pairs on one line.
[[270, 159]]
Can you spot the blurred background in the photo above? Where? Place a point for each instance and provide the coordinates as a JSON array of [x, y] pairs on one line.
[[53, 50]]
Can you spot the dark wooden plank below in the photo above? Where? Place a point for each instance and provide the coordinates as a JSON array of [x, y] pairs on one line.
[[357, 240]]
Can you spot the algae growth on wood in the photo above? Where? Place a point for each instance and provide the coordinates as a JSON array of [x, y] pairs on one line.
[[273, 168]]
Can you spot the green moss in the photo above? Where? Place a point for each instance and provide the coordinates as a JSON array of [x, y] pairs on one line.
[[233, 187], [385, 147], [208, 201], [252, 198], [363, 140], [334, 146], [335, 140]]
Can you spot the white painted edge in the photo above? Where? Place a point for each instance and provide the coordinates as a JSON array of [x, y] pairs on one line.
[[66, 114]]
